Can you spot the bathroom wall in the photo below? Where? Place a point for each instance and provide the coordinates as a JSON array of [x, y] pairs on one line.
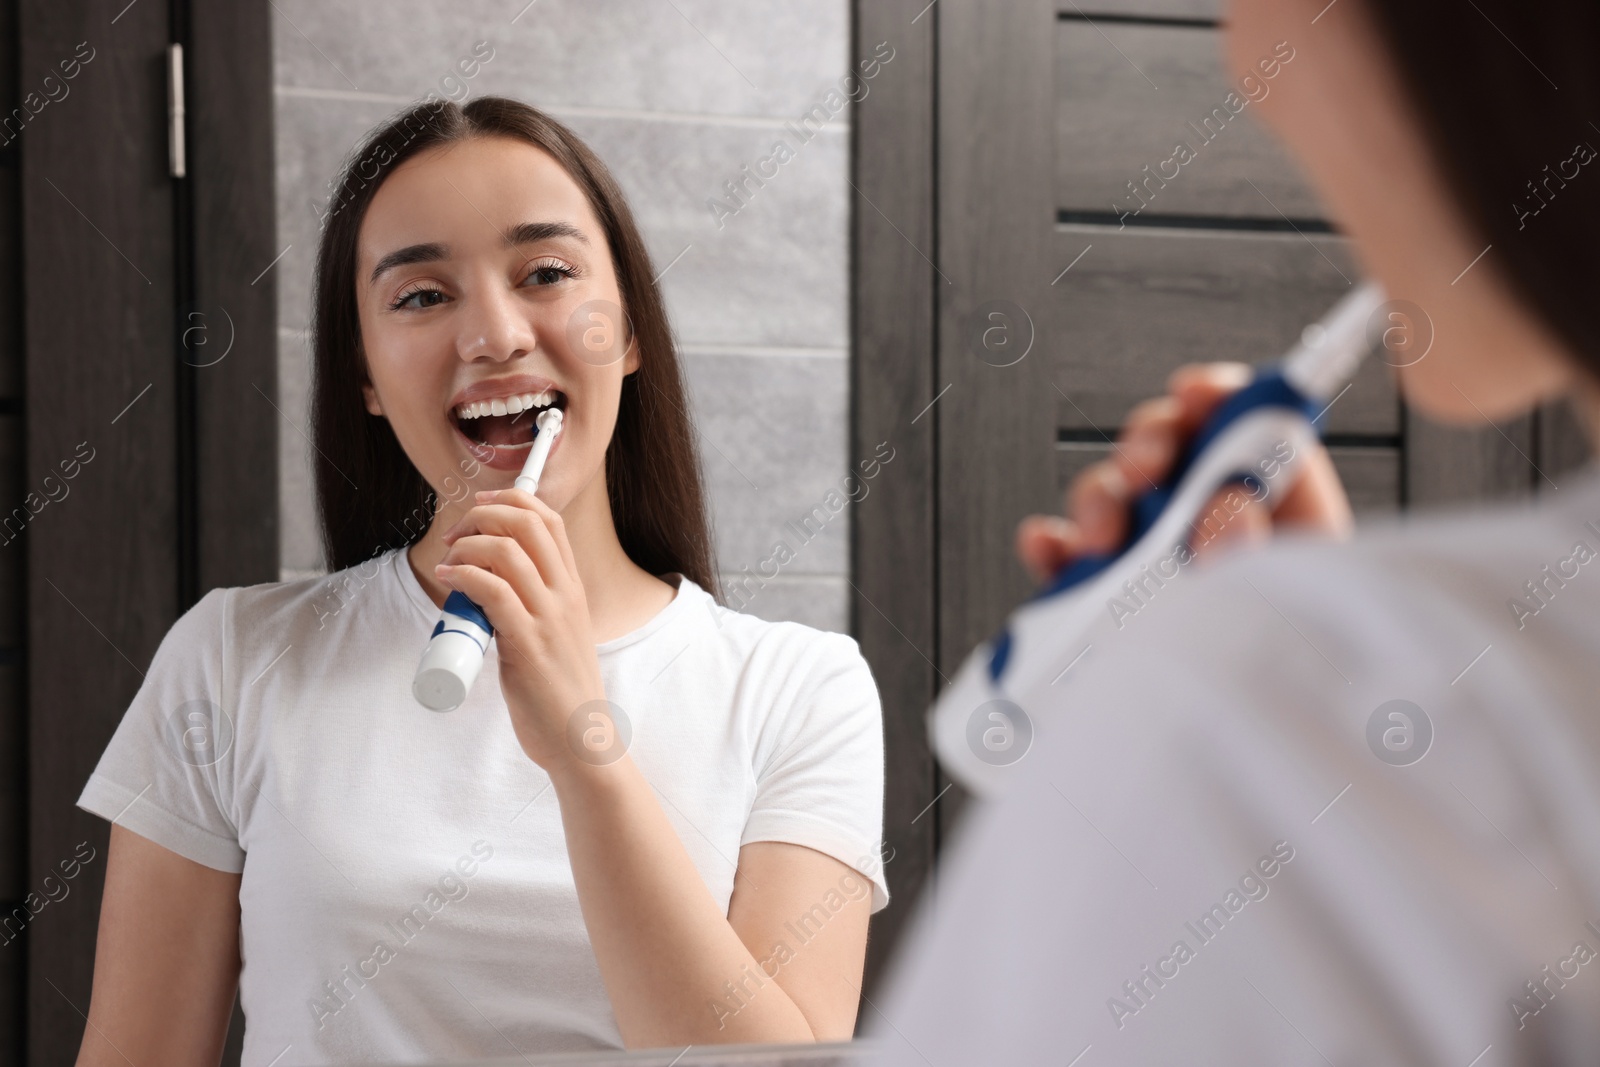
[[677, 96]]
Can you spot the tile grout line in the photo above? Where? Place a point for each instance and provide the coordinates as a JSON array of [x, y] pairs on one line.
[[765, 122]]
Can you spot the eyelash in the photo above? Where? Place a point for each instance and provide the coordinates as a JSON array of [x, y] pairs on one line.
[[566, 272]]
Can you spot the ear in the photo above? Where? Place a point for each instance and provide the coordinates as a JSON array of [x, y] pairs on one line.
[[369, 395], [630, 358]]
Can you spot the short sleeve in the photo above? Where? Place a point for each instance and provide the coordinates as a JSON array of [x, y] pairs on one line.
[[167, 772], [823, 786]]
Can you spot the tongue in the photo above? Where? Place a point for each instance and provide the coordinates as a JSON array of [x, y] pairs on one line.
[[507, 429]]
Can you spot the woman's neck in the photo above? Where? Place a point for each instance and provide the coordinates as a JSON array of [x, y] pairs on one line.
[[622, 596]]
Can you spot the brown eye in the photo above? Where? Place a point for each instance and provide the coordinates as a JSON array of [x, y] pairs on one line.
[[430, 298], [550, 274]]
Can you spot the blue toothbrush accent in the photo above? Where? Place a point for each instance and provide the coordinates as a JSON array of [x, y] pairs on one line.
[[1269, 389], [458, 603]]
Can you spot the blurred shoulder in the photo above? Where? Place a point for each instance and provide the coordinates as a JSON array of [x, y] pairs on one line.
[[1407, 598]]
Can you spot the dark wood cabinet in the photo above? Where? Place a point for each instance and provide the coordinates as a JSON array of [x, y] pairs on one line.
[[142, 459]]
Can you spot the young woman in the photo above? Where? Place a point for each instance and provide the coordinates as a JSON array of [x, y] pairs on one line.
[[1334, 801], [652, 822]]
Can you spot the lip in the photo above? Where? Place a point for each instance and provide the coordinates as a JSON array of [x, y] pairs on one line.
[[499, 388]]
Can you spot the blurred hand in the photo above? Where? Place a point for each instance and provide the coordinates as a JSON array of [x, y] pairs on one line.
[[1151, 440]]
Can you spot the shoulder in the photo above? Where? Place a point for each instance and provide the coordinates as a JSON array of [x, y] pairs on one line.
[[1405, 597], [793, 677], [282, 608], [1299, 655], [778, 647]]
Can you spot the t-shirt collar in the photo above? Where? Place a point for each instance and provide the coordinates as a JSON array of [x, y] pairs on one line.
[[688, 591]]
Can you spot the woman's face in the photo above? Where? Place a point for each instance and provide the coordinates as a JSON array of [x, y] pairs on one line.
[[1342, 110], [483, 275]]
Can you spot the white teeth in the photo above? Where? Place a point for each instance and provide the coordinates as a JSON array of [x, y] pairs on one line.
[[510, 405]]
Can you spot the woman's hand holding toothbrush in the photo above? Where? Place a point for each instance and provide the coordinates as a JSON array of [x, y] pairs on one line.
[[511, 555], [1150, 442]]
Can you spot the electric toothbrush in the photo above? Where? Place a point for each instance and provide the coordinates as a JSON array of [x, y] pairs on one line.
[[985, 719], [454, 656]]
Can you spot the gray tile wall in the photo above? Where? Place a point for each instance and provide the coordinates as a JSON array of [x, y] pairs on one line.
[[676, 96]]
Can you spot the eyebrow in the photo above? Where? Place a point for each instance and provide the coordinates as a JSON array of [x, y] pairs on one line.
[[432, 252]]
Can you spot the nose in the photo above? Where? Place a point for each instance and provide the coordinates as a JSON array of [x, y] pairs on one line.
[[496, 326]]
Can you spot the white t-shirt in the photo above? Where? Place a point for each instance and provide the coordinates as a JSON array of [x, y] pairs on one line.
[[1227, 846], [406, 891]]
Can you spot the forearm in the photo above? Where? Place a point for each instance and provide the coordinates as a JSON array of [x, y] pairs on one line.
[[664, 947]]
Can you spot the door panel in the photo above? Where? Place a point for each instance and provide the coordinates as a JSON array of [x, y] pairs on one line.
[[1139, 303], [145, 382], [100, 370], [997, 423], [894, 592], [1128, 94]]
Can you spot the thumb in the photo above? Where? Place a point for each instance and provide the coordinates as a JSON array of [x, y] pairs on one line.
[[1046, 543]]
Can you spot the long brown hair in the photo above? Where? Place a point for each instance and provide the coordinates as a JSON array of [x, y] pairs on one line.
[[1508, 90], [370, 497]]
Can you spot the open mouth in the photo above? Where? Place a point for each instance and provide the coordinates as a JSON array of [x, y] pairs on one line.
[[506, 422]]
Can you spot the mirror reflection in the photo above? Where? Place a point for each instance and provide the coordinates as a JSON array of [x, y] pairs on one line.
[[805, 533]]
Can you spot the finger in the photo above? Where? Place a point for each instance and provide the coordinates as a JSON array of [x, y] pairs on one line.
[[1157, 411], [490, 591], [1152, 439], [505, 558], [1316, 498], [1157, 430], [1099, 506], [499, 601], [523, 525], [554, 523], [1233, 518], [1150, 443], [1200, 387], [1046, 543]]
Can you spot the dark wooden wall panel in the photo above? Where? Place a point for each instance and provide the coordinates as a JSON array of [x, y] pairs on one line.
[[99, 334], [1449, 465], [1374, 477], [231, 195], [231, 164], [1562, 444], [13, 871], [13, 723], [12, 547], [996, 206], [1139, 303], [1125, 108], [10, 247], [893, 329]]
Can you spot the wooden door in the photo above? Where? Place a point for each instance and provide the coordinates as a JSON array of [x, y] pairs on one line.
[[137, 422], [1031, 260]]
